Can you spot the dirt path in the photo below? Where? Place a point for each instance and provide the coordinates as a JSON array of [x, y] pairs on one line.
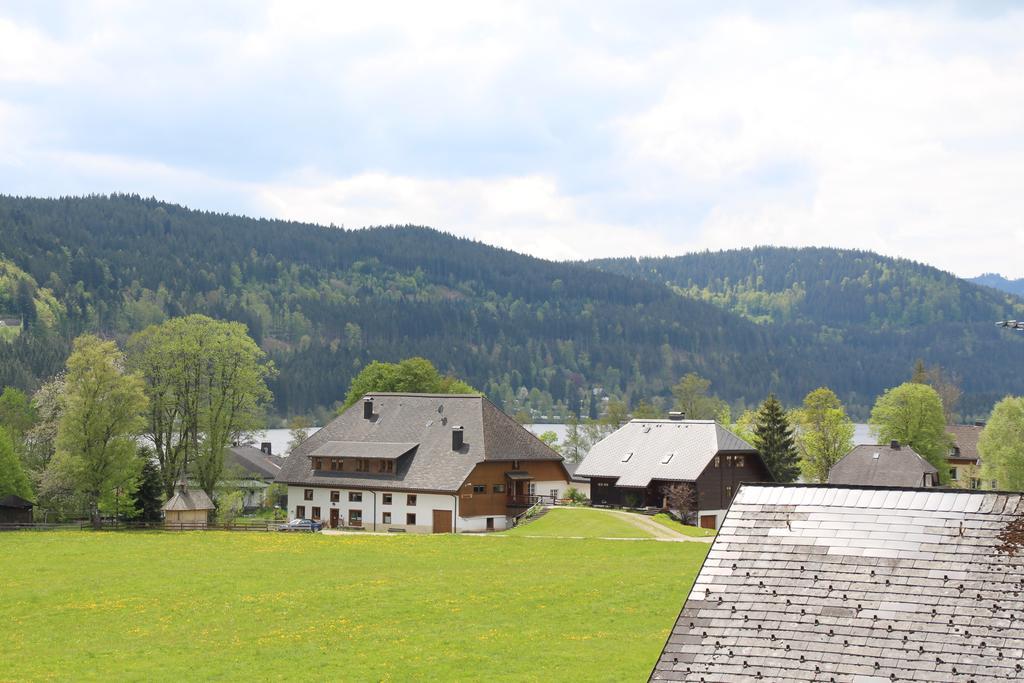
[[659, 531]]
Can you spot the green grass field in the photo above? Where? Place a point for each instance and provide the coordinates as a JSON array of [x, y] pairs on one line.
[[695, 531], [231, 606], [585, 522]]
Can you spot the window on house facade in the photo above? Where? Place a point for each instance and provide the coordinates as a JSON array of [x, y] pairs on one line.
[[315, 514], [728, 493], [307, 494], [717, 461], [532, 489], [410, 519], [554, 494], [952, 473], [355, 517], [386, 517], [479, 488], [490, 523], [335, 496], [386, 499], [499, 488], [410, 499], [318, 464], [387, 466], [336, 464], [355, 496], [515, 464], [300, 512], [362, 464]]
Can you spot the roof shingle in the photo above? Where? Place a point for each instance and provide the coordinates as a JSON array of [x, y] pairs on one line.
[[426, 421], [637, 452], [854, 584]]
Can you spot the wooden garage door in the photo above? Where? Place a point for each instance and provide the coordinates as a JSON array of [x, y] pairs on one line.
[[707, 521], [442, 521]]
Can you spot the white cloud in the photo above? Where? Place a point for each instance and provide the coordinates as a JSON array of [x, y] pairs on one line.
[[525, 214], [565, 131]]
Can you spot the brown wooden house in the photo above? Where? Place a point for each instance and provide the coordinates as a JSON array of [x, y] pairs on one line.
[[423, 463], [15, 510], [633, 466]]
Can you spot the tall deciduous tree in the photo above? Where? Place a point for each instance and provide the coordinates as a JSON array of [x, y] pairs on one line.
[[773, 437], [298, 431], [410, 375], [1001, 445], [824, 434], [912, 414], [13, 480], [41, 440], [946, 384], [206, 383], [102, 417], [693, 399]]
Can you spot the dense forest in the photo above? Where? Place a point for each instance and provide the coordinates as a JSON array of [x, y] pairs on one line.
[[877, 314], [544, 336]]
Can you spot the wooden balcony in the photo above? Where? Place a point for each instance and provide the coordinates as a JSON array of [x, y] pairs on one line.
[[526, 501]]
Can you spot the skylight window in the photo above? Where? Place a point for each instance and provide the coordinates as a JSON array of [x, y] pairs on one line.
[[667, 459], [627, 456]]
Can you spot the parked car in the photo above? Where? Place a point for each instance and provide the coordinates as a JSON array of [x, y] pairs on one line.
[[301, 525]]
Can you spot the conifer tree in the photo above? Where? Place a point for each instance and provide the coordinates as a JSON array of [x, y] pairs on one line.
[[773, 437]]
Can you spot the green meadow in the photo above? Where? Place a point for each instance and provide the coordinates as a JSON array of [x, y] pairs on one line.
[[265, 606]]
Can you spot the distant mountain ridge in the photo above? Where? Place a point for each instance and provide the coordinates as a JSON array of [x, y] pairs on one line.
[[535, 335], [996, 281]]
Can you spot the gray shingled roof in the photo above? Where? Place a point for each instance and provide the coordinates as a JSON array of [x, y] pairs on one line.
[[965, 437], [186, 499], [693, 442], [854, 584], [360, 449], [426, 420], [255, 461], [15, 502], [892, 467]]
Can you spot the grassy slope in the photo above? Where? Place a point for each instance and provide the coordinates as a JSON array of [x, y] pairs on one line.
[[581, 522], [214, 605], [686, 529]]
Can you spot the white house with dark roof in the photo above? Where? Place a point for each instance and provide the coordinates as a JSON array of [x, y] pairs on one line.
[[633, 465], [421, 462], [856, 583]]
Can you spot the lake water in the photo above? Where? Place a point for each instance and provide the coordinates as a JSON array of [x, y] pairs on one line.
[[280, 438]]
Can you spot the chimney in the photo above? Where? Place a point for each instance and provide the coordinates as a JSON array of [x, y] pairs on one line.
[[266, 447], [676, 415], [368, 409], [894, 444], [457, 437]]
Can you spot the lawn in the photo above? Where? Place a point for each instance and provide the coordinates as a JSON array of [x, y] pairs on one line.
[[665, 520], [585, 522], [232, 606]]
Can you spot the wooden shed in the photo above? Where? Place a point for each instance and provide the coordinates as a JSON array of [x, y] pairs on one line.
[[187, 509], [15, 510]]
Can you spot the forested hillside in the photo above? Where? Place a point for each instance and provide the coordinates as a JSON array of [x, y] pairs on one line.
[[1001, 283], [878, 313], [325, 301]]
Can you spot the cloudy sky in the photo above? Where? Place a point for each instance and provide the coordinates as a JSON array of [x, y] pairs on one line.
[[566, 130]]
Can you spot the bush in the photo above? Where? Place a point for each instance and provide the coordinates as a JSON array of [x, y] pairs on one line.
[[575, 496]]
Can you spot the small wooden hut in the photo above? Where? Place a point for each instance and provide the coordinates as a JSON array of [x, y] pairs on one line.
[[15, 510], [187, 509]]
